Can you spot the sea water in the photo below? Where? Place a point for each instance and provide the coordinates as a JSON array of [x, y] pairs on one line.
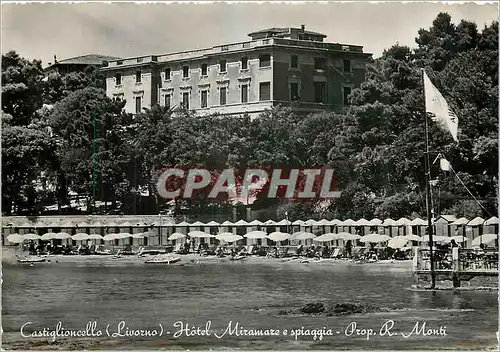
[[192, 305]]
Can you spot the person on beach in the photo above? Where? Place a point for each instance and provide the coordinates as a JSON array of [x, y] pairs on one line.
[[348, 248]]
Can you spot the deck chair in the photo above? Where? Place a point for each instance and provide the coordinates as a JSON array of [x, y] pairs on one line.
[[250, 250], [140, 251], [336, 253]]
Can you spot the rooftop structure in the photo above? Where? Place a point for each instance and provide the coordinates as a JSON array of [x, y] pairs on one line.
[[286, 66], [78, 63]]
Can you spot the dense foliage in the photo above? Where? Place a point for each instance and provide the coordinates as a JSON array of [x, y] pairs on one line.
[[376, 147]]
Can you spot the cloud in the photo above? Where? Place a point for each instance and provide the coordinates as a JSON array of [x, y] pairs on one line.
[[129, 29]]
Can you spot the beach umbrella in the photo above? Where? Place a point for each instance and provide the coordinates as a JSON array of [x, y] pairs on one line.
[[123, 235], [81, 237], [176, 236], [298, 223], [327, 237], [458, 239], [476, 221], [110, 237], [256, 234], [418, 222], [302, 235], [389, 222], [374, 238], [62, 236], [231, 238], [413, 237], [223, 235], [397, 242], [435, 238], [461, 221], [227, 223], [31, 237], [486, 238], [352, 236], [346, 236], [492, 221], [278, 236], [199, 234], [48, 236], [95, 236], [138, 235], [15, 238]]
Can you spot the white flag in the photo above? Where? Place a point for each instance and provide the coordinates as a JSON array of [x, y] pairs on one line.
[[445, 164], [438, 108]]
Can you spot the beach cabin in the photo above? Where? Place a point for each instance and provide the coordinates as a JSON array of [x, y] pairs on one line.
[[443, 226]]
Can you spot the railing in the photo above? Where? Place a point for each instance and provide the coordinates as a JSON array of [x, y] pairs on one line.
[[484, 260], [460, 260]]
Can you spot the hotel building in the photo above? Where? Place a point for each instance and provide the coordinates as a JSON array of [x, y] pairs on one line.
[[286, 66]]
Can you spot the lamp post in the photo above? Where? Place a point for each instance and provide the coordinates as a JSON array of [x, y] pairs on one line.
[[159, 238], [287, 222]]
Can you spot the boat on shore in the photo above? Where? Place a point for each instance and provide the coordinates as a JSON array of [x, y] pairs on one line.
[[32, 260], [164, 259]]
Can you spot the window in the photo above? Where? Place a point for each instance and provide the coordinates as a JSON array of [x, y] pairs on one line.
[[204, 69], [185, 100], [138, 107], [138, 77], [265, 60], [347, 65], [222, 66], [222, 97], [204, 98], [167, 73], [294, 61], [347, 92], [168, 102], [244, 63], [118, 79], [319, 92], [185, 71], [265, 91], [244, 93], [319, 63], [294, 92], [119, 62]]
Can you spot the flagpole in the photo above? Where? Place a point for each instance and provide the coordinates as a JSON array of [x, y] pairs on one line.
[[428, 189]]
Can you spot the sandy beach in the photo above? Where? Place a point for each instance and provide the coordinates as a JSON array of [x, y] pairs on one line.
[[9, 256]]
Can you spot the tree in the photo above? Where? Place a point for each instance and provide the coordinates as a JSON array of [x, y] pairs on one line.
[[26, 153], [73, 123], [21, 88]]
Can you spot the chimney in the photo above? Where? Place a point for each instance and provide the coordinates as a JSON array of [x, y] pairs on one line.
[[303, 27]]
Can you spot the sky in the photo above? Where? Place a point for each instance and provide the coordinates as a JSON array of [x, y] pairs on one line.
[[40, 31]]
